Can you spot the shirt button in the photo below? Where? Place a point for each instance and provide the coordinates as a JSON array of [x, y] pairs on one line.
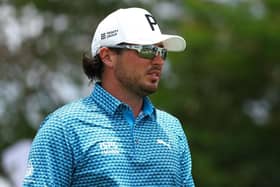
[[137, 141]]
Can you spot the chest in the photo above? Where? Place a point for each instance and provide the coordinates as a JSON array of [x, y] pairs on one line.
[[121, 154]]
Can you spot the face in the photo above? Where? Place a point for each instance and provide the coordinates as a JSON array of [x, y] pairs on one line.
[[138, 75]]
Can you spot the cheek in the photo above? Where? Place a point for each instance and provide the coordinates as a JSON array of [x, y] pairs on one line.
[[132, 64]]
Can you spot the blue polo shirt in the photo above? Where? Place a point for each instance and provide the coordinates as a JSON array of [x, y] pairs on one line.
[[96, 141]]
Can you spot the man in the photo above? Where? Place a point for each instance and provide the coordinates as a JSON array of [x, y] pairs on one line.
[[115, 137]]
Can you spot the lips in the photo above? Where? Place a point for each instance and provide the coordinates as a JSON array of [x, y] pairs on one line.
[[154, 74]]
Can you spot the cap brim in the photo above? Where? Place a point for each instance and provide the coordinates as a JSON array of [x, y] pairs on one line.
[[173, 42], [170, 42]]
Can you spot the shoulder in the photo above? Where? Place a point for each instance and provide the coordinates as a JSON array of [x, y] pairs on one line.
[[168, 121], [172, 126], [74, 108], [69, 113], [163, 116]]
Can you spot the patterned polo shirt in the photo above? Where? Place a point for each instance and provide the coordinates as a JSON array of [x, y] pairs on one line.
[[96, 141]]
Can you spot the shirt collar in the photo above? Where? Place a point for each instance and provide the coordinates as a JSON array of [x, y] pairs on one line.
[[148, 107], [105, 99], [111, 104]]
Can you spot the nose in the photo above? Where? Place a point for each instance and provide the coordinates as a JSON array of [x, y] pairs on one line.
[[158, 60]]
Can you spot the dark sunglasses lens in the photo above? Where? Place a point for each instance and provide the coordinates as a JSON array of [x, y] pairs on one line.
[[160, 51], [164, 54], [147, 53]]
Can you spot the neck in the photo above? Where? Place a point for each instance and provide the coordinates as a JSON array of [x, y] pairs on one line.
[[134, 101]]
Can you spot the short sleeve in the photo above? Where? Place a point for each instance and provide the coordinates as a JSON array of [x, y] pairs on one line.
[[186, 162], [50, 161]]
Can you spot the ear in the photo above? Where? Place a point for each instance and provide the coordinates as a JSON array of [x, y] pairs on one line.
[[106, 56]]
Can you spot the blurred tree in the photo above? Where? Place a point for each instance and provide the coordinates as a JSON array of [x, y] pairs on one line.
[[41, 44], [224, 88], [227, 91]]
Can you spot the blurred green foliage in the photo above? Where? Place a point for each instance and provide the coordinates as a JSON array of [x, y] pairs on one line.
[[224, 88], [231, 62]]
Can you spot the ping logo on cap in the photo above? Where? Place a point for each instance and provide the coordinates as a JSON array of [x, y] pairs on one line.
[[152, 21]]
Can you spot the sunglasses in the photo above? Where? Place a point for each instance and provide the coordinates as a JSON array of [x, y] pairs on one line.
[[144, 51]]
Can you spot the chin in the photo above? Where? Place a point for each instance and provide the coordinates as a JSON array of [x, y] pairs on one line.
[[150, 90]]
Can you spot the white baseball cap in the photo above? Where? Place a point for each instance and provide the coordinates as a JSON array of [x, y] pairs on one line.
[[133, 26]]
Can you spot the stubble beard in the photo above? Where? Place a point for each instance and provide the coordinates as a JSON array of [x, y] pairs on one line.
[[133, 83]]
